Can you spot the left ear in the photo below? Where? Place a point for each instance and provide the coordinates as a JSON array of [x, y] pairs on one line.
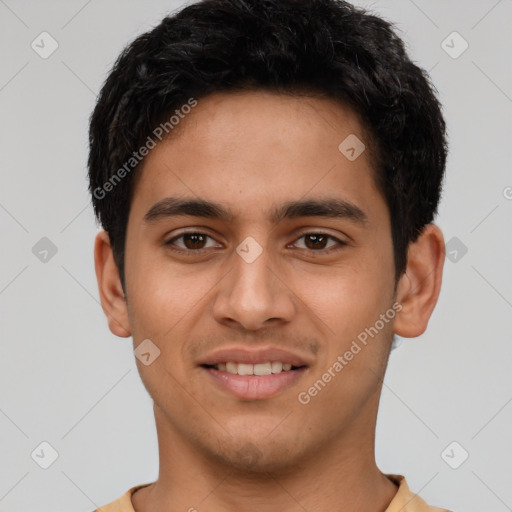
[[418, 288]]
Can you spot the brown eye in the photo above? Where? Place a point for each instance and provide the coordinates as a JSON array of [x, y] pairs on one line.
[[314, 241], [193, 242], [318, 242]]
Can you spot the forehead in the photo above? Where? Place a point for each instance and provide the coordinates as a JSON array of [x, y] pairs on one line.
[[255, 148], [268, 121]]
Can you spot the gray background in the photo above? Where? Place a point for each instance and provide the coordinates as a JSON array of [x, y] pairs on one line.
[[65, 379]]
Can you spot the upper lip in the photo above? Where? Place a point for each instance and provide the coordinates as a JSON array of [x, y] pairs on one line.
[[253, 356]]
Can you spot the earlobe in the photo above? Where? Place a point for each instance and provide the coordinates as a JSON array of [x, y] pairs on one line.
[[420, 285], [109, 285]]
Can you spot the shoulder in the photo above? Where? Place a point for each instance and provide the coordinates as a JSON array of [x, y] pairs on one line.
[[122, 504], [407, 501]]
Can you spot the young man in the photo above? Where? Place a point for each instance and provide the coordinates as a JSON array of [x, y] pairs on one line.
[[266, 173]]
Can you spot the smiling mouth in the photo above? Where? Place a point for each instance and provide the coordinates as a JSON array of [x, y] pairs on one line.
[[258, 369]]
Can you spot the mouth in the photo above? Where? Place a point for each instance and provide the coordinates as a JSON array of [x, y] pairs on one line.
[[257, 369], [254, 373], [252, 382]]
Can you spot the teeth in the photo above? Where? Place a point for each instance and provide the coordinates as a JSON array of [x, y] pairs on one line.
[[245, 369], [254, 369], [277, 367], [262, 369], [231, 367]]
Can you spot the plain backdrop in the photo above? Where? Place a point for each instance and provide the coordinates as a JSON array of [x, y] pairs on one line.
[[67, 381]]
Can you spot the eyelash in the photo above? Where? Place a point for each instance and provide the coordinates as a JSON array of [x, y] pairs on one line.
[[170, 242]]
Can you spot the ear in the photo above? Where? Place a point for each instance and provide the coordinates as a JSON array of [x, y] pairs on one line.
[[418, 288], [111, 292]]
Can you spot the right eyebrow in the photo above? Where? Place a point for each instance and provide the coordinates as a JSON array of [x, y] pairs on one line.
[[173, 207]]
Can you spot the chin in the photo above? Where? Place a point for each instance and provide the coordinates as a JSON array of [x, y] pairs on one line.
[[256, 458]]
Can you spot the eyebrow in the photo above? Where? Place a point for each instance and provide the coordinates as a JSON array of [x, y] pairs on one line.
[[326, 207]]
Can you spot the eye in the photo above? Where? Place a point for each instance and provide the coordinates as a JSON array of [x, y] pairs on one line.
[[196, 242], [192, 241], [319, 242]]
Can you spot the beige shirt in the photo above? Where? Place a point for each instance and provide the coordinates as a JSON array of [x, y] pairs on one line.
[[404, 500]]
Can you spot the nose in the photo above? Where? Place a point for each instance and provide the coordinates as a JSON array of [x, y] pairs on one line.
[[253, 295]]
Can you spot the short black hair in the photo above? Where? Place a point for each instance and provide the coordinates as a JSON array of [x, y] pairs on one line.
[[326, 47]]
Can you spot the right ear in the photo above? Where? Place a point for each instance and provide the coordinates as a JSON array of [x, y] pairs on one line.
[[112, 296]]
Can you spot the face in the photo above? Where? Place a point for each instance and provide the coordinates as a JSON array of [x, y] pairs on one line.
[[292, 264]]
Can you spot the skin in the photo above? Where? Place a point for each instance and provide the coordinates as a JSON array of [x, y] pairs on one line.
[[252, 151]]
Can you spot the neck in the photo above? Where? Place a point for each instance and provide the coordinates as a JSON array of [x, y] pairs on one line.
[[341, 472]]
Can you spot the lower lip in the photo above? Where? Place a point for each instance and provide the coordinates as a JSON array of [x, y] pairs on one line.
[[255, 387]]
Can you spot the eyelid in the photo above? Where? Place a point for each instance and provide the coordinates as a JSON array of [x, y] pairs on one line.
[[339, 242], [199, 231], [319, 231]]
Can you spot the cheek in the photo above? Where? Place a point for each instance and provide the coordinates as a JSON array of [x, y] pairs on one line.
[[350, 296], [160, 293]]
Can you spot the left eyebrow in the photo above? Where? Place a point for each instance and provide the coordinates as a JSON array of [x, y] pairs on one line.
[[326, 207], [329, 207]]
